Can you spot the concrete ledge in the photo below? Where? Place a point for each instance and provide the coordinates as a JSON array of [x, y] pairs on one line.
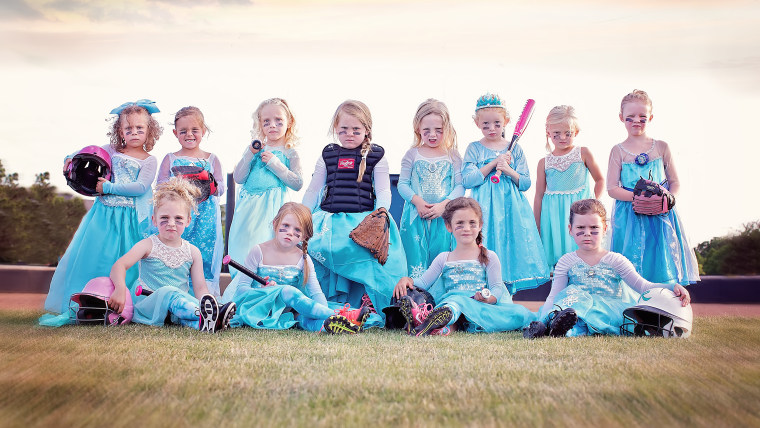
[[712, 289]]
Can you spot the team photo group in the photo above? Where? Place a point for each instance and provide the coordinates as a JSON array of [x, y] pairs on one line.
[[151, 249]]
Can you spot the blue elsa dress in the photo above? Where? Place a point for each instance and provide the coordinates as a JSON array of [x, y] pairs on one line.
[[434, 180], [166, 271], [599, 293], [205, 229], [344, 269], [567, 181], [117, 220], [264, 190], [461, 279], [655, 244], [509, 226]]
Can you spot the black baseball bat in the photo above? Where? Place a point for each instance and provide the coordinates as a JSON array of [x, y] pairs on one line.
[[140, 291], [228, 261]]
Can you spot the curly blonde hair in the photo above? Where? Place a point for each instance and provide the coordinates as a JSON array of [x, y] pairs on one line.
[[290, 134], [636, 95], [561, 115], [176, 189], [433, 106], [153, 132]]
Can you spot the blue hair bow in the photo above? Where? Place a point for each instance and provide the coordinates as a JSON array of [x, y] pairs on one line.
[[144, 103]]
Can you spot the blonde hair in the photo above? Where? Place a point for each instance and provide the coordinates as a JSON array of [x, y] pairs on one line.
[[191, 111], [433, 106], [303, 214], [176, 189], [360, 112], [561, 115], [290, 134], [636, 95], [153, 132], [462, 203], [588, 206]]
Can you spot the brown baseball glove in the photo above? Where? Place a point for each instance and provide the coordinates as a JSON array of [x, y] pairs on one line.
[[373, 233], [650, 198]]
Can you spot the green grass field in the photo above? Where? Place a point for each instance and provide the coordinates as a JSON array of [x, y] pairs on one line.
[[140, 376]]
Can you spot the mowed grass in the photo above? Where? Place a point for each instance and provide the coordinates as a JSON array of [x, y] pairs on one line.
[[140, 376]]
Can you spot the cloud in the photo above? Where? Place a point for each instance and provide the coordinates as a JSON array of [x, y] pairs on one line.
[[18, 9]]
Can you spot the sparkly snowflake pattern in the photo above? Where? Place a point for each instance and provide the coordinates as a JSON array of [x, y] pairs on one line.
[[318, 257], [417, 238], [417, 270], [569, 300]]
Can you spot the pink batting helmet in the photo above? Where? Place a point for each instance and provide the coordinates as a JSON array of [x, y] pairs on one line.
[[89, 164], [91, 305]]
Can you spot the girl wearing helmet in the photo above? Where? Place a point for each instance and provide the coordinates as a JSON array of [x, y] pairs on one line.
[[118, 218], [167, 263], [592, 286]]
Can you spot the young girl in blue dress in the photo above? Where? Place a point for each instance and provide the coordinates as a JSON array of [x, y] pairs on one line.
[[655, 244], [119, 217], [350, 181], [167, 264], [591, 286], [509, 227], [265, 172], [292, 295], [431, 176], [562, 178], [475, 294], [205, 229]]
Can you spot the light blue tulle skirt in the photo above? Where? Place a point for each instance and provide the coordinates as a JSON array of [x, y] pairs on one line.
[[486, 318], [656, 245], [105, 234], [423, 240], [555, 219], [597, 314], [346, 270], [154, 309]]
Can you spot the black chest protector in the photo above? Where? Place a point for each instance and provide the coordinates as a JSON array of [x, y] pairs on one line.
[[342, 192]]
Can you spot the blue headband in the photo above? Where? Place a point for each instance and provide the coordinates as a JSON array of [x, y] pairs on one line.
[[144, 103]]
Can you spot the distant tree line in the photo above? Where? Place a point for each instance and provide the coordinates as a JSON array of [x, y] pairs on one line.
[[735, 254], [36, 224]]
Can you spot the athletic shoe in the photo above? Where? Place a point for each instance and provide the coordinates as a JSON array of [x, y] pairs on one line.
[[438, 318], [534, 330], [413, 313], [209, 314], [445, 331], [226, 312], [356, 316], [562, 321], [366, 301], [338, 324]]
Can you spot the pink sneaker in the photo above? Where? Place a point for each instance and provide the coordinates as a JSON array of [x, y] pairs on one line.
[[413, 313], [357, 316]]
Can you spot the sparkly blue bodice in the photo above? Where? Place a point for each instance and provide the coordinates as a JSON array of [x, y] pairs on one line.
[[432, 180], [125, 170], [260, 178], [464, 275], [631, 172], [166, 266], [282, 275], [600, 279], [571, 180]]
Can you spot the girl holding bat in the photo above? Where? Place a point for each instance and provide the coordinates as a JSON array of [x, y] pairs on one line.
[[351, 180], [167, 263], [205, 230], [475, 298], [289, 274], [654, 242], [562, 178], [431, 176], [269, 166], [119, 216], [509, 228]]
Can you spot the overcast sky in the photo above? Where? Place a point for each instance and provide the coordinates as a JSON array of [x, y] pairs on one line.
[[67, 63]]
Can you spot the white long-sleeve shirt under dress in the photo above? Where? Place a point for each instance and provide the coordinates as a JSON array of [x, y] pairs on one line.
[[205, 229], [460, 280], [599, 293], [509, 226], [263, 190], [344, 269], [434, 180]]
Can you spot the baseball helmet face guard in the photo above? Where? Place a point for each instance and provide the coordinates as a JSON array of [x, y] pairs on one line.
[[90, 307], [659, 313], [393, 317], [86, 167]]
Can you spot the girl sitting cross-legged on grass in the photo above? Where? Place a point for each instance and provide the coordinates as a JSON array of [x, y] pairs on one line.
[[282, 302], [167, 263], [592, 286], [475, 297]]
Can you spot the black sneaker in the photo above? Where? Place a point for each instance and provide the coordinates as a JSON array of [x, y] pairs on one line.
[[209, 314], [534, 330], [438, 318], [405, 305], [226, 312], [562, 322], [338, 324]]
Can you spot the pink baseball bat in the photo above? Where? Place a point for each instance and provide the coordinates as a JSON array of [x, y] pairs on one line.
[[522, 123]]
